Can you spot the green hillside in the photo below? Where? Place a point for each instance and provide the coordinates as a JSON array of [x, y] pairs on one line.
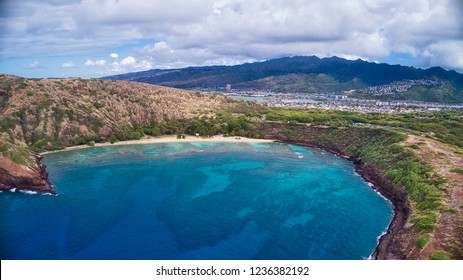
[[312, 74], [413, 159]]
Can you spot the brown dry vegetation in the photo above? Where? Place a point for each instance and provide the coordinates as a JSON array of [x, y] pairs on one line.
[[426, 170], [48, 114], [65, 109], [416, 234], [448, 235]]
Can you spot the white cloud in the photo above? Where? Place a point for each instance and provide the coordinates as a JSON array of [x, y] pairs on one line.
[[130, 60], [197, 32], [68, 64], [448, 54], [99, 62], [128, 64], [158, 48], [33, 65], [162, 55]]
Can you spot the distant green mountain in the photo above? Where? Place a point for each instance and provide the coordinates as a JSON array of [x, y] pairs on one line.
[[310, 74]]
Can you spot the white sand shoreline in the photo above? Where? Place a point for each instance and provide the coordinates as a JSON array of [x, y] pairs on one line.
[[169, 139]]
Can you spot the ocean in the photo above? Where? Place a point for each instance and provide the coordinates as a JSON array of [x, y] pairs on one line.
[[196, 201]]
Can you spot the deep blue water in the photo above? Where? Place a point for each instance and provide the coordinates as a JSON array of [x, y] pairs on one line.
[[195, 201]]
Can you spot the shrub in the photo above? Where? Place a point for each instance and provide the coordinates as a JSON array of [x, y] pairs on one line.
[[3, 148], [427, 222], [20, 156], [457, 171], [113, 139], [18, 159], [451, 211], [78, 141], [423, 240], [440, 255]]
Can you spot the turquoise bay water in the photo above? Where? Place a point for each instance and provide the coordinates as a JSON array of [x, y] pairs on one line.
[[195, 201]]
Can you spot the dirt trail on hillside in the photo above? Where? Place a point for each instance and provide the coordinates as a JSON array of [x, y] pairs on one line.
[[448, 236]]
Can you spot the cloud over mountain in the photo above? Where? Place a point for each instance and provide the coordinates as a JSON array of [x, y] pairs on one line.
[[178, 33]]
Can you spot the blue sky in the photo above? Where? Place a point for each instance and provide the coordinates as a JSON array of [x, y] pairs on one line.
[[94, 38]]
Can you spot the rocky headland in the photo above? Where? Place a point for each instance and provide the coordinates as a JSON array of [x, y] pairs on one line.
[[31, 178]]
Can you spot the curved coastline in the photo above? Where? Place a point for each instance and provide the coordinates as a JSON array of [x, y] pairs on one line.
[[388, 246], [170, 139]]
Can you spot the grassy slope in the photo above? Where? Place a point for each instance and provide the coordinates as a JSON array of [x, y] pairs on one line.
[[50, 114], [311, 83], [383, 141], [311, 74], [47, 114]]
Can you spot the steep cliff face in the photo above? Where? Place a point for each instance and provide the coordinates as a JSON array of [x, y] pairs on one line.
[[32, 177], [386, 159], [391, 244], [47, 114], [54, 112], [37, 115]]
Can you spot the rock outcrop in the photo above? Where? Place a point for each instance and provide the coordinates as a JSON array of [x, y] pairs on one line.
[[26, 178]]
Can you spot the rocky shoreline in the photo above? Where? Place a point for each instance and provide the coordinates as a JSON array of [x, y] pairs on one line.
[[33, 180], [388, 247]]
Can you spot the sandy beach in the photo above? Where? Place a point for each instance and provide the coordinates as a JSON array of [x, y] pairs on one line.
[[383, 249], [171, 139]]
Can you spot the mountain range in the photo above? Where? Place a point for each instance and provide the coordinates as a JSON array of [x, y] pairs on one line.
[[310, 74]]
